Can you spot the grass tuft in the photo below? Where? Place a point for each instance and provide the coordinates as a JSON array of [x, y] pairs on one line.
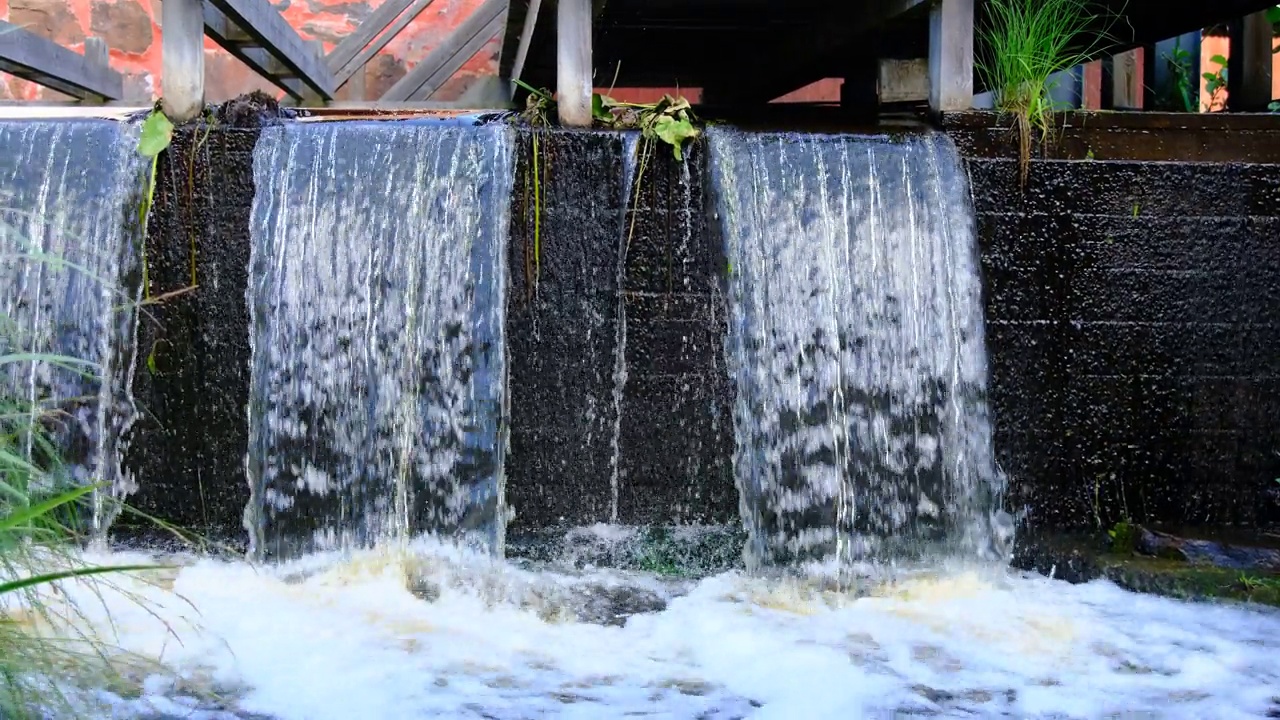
[[1022, 44], [53, 660]]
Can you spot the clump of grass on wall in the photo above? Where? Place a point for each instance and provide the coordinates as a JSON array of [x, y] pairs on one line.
[[1022, 44]]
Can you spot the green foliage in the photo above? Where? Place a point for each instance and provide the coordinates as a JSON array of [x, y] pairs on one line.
[[1216, 82], [1023, 43], [1185, 88], [670, 120], [539, 108], [1124, 537], [157, 133]]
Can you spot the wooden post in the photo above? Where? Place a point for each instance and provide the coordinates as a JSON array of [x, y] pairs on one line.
[[182, 53], [573, 62], [951, 55], [1127, 80], [1091, 86], [1249, 64]]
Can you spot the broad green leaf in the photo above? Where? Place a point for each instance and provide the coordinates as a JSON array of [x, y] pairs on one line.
[[674, 131], [157, 132], [1219, 60], [599, 110]]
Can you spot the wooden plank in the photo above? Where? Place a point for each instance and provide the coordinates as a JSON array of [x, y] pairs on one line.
[[31, 57], [1249, 64], [1126, 80], [951, 55], [233, 39], [473, 46], [369, 28], [362, 54], [182, 58], [573, 62], [424, 72], [270, 31], [1091, 90], [526, 38]]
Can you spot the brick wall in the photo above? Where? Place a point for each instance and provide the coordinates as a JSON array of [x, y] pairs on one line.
[[132, 30]]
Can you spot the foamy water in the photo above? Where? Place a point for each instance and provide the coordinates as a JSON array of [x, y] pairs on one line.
[[429, 633]]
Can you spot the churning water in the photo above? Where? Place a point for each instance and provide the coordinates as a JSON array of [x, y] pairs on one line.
[[377, 299], [68, 210], [856, 343]]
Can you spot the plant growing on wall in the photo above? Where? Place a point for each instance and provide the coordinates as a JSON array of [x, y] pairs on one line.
[[1023, 44], [538, 111], [157, 133], [1185, 85], [669, 121], [1215, 83]]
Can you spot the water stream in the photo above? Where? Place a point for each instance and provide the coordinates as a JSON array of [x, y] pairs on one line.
[[856, 343], [68, 214], [377, 294]]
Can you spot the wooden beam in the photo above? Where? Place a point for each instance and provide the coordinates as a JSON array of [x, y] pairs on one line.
[[237, 42], [369, 28], [356, 50], [526, 37], [182, 57], [574, 80], [269, 30], [478, 41], [951, 55], [428, 75], [31, 57], [1249, 64]]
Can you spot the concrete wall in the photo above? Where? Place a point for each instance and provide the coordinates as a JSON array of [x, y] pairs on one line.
[[1133, 314], [609, 299], [132, 30], [1133, 309]]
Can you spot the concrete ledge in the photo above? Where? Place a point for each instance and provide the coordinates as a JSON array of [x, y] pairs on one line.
[[1133, 136]]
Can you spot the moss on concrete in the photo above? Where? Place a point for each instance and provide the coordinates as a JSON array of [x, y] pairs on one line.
[[1081, 558]]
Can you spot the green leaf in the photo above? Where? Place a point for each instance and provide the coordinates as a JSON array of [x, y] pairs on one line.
[[1219, 60], [157, 132], [674, 131], [599, 110]]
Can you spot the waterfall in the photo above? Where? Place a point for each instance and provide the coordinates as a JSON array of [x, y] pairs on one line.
[[377, 290], [856, 345], [68, 220]]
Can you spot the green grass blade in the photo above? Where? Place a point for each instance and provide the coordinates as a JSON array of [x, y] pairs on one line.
[[47, 578]]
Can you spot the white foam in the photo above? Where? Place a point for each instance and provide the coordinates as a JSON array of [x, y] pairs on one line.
[[327, 638]]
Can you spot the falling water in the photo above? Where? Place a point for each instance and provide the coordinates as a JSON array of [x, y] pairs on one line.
[[856, 343], [630, 163], [68, 212], [377, 292]]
